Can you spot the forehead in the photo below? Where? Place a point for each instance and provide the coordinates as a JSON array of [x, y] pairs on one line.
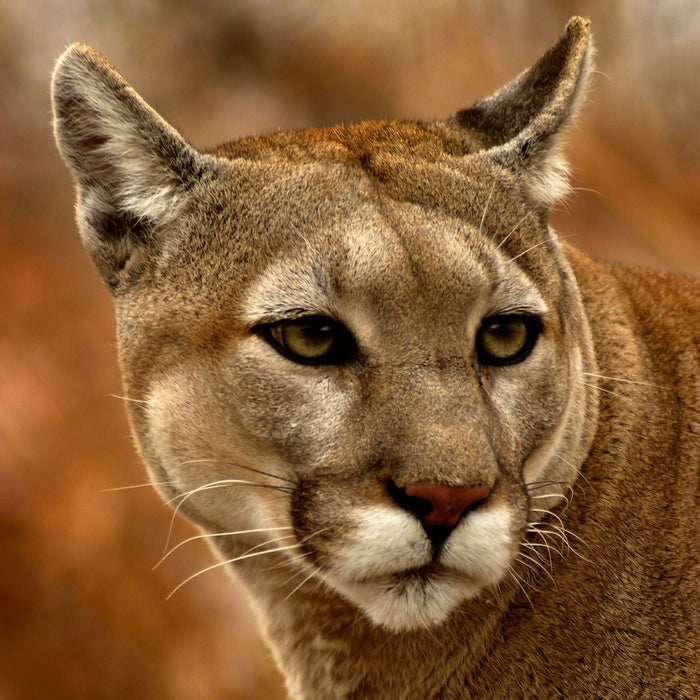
[[350, 250], [379, 217]]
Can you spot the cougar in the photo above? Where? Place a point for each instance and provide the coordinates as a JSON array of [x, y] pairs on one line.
[[448, 455]]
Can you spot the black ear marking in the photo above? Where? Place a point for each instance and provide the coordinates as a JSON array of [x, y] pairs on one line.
[[122, 242]]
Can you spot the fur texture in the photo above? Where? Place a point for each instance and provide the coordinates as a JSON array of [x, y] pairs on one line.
[[315, 326]]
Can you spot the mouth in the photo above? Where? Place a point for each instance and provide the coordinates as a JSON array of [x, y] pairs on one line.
[[421, 582], [417, 575]]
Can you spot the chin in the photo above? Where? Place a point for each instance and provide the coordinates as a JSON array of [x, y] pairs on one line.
[[408, 587], [409, 602]]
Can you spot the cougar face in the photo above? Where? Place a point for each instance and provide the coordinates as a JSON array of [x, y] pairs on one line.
[[322, 389], [361, 361]]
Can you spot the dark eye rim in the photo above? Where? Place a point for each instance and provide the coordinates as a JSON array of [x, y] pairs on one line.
[[341, 351], [533, 328]]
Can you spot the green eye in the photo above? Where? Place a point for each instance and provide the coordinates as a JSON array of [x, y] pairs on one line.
[[506, 340], [316, 340]]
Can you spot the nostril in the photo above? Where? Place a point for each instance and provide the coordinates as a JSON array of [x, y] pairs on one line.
[[416, 505], [438, 505]]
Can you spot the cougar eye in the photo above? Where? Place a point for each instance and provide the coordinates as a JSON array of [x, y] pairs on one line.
[[506, 340], [315, 340]]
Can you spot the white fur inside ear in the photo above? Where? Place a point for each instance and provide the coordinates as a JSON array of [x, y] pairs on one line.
[[549, 183], [141, 181], [545, 176]]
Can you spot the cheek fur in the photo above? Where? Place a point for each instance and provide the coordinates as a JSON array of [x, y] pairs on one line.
[[531, 396], [298, 410]]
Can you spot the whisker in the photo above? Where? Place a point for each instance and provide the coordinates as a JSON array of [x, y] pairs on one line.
[[540, 528], [569, 546], [285, 537], [545, 545], [272, 540], [230, 561], [127, 398], [542, 535], [313, 574], [250, 554], [562, 534], [260, 471], [255, 470], [578, 472], [512, 231], [586, 189], [537, 245], [565, 533], [537, 564], [532, 570], [182, 497], [554, 495], [536, 485], [547, 496], [211, 485], [527, 250], [486, 207], [534, 566], [600, 388], [144, 485], [221, 534], [554, 532], [549, 512], [238, 466], [521, 584], [134, 486], [206, 487], [624, 381], [288, 563], [533, 486]]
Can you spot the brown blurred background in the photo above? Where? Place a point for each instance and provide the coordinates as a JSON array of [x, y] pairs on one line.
[[82, 614]]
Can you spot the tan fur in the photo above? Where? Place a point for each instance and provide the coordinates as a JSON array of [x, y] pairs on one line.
[[578, 575]]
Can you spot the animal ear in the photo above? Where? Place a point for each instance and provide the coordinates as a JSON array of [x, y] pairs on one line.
[[520, 125], [131, 168]]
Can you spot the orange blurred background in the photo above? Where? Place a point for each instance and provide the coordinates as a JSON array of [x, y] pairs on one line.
[[82, 613]]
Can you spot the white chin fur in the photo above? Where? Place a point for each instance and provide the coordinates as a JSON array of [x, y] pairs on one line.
[[407, 602], [380, 569]]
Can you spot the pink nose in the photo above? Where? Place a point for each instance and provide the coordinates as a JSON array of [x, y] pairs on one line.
[[448, 502]]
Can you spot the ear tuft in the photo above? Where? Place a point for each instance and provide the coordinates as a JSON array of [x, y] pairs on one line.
[[521, 125]]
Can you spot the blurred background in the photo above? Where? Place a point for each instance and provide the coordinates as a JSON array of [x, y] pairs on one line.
[[82, 612]]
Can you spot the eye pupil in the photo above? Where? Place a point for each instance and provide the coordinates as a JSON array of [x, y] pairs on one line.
[[506, 339]]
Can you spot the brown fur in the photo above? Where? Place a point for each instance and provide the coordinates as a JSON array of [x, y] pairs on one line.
[[578, 575]]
